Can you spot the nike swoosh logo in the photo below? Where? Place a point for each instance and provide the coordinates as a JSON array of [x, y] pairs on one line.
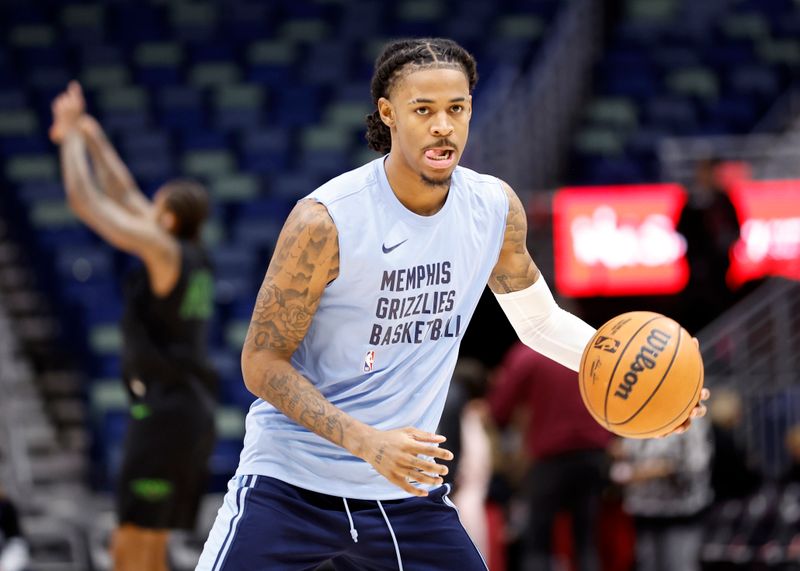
[[389, 249]]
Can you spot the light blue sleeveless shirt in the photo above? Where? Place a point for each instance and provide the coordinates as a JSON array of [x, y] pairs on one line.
[[384, 341]]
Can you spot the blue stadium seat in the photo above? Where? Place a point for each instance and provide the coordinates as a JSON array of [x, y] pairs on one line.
[[180, 107], [615, 170], [146, 141], [237, 118], [124, 120], [738, 113], [23, 145], [755, 80], [158, 76], [640, 82], [669, 58], [258, 234], [202, 139], [297, 105], [150, 168], [671, 113], [266, 151], [234, 260]]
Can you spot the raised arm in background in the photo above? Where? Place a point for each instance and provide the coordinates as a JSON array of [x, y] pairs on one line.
[[136, 233], [113, 176]]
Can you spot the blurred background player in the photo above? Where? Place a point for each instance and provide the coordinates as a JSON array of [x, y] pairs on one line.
[[566, 448], [169, 300]]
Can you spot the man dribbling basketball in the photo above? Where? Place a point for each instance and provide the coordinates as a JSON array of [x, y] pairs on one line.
[[356, 332]]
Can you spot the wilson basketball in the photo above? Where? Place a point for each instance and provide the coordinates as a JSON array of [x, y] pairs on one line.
[[641, 375]]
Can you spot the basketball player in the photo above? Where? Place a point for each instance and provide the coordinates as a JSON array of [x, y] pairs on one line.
[[355, 334], [168, 302]]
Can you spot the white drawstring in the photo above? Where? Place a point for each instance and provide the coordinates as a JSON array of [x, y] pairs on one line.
[[353, 532], [394, 539]]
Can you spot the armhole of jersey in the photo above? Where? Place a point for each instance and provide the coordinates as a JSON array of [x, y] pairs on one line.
[[182, 273]]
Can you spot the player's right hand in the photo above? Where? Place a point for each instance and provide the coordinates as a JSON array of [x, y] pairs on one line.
[[398, 456], [67, 109]]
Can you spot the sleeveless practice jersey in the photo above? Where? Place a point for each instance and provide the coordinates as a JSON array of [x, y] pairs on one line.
[[384, 341], [165, 338]]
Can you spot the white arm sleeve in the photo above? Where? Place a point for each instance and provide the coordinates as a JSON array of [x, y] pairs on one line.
[[543, 326]]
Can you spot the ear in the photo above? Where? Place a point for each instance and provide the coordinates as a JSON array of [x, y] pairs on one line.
[[169, 221], [469, 106], [386, 111]]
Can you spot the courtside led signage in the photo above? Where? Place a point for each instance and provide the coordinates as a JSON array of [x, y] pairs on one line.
[[769, 243], [619, 240]]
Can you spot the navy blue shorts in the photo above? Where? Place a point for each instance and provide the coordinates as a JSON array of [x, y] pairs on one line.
[[265, 524]]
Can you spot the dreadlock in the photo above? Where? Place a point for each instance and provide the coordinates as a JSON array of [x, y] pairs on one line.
[[411, 55], [188, 201]]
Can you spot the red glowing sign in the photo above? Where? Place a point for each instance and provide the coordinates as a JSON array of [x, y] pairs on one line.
[[769, 215], [619, 240]]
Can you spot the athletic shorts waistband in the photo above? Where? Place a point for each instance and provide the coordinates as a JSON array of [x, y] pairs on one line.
[[329, 502]]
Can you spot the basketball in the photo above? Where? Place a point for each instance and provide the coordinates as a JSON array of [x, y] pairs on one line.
[[641, 375]]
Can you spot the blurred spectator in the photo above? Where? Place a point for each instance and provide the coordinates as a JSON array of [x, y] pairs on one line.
[[567, 450], [13, 547], [710, 226], [470, 470], [732, 476], [667, 486]]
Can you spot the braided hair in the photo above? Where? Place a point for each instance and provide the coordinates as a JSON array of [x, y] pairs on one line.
[[404, 56], [188, 201]]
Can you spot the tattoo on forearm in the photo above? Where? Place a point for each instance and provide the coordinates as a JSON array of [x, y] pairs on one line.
[[296, 397], [306, 259]]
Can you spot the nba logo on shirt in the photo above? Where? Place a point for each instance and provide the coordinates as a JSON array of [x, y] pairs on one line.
[[369, 361]]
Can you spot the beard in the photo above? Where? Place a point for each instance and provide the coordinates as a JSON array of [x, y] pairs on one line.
[[436, 182]]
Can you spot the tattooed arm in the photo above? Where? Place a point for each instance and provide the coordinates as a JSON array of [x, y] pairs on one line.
[[305, 260], [515, 269], [526, 300], [530, 307]]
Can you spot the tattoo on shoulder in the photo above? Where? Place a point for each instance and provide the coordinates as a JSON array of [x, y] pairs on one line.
[[516, 224], [516, 270], [279, 318], [306, 259]]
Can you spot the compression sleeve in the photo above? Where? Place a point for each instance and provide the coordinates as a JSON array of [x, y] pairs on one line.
[[543, 326]]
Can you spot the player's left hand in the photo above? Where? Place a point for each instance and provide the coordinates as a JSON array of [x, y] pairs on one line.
[[699, 409]]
